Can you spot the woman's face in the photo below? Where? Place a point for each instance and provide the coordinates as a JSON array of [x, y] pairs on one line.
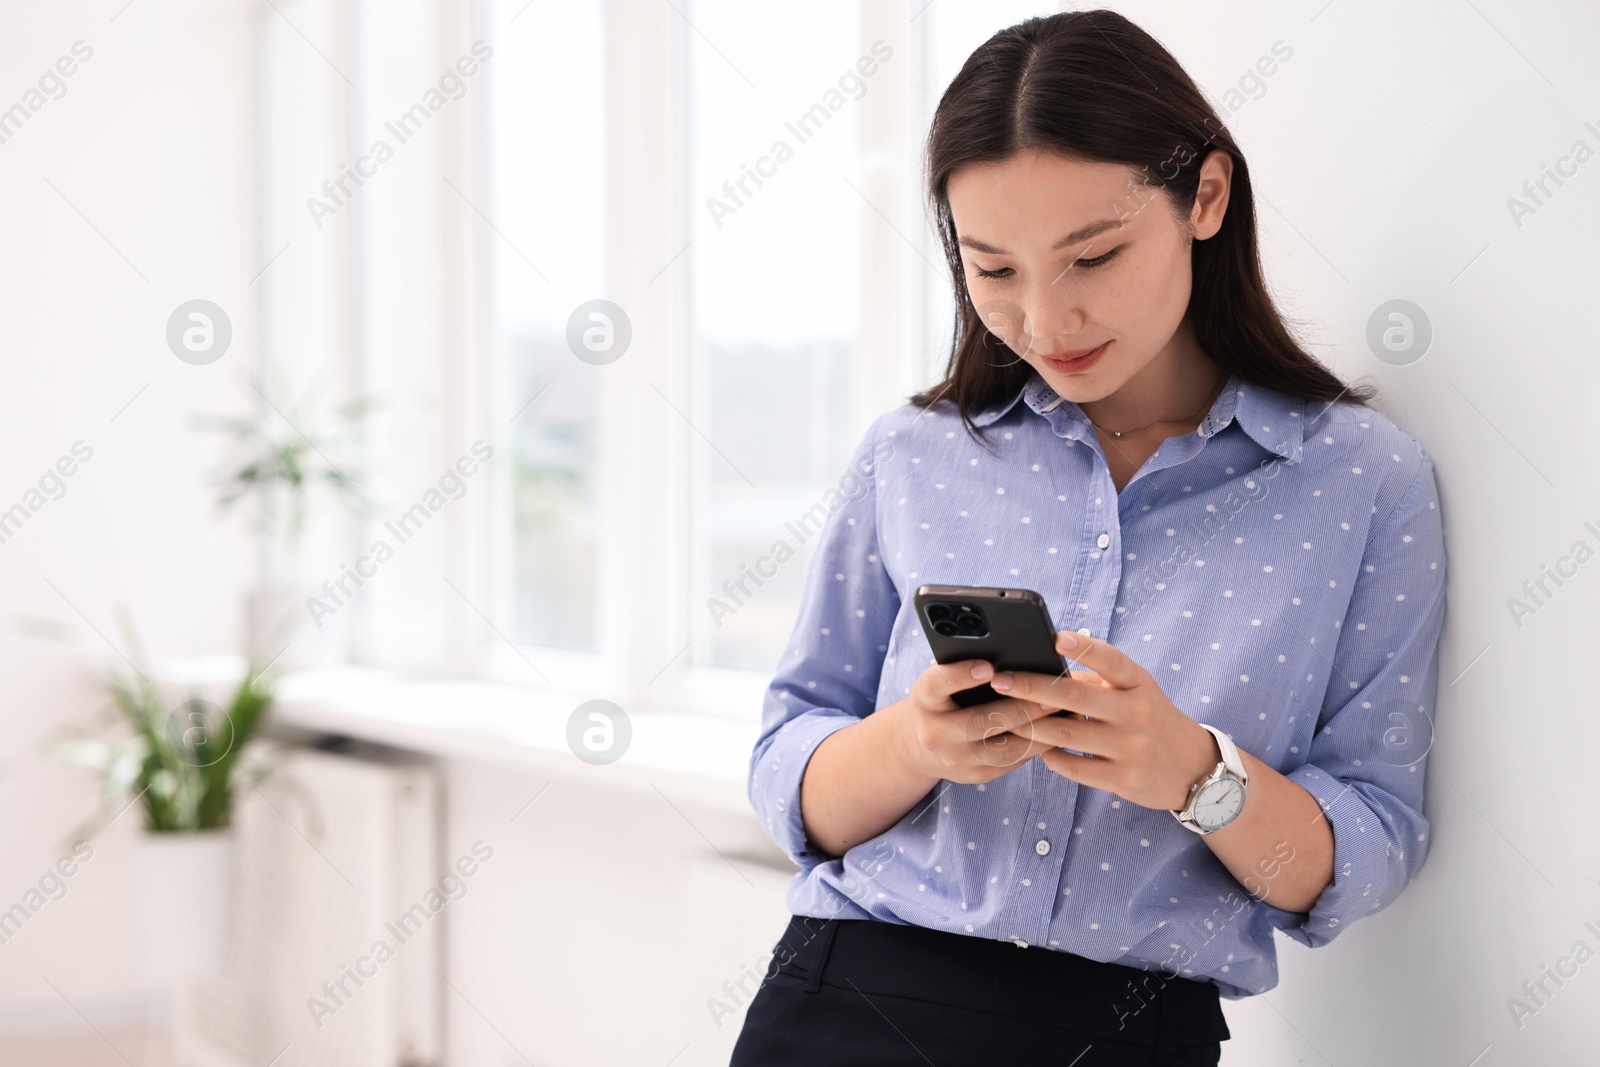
[[1064, 256]]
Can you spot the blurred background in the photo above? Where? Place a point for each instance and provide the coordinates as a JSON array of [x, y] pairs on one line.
[[399, 398]]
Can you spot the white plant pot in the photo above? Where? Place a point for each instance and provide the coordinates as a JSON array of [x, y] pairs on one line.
[[185, 893]]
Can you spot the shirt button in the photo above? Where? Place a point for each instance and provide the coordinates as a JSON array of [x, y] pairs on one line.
[[1042, 847], [1104, 541], [1084, 630]]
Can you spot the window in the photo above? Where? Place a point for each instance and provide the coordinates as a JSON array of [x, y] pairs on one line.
[[773, 305], [545, 158]]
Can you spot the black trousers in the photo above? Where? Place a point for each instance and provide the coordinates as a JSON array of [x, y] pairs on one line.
[[843, 992]]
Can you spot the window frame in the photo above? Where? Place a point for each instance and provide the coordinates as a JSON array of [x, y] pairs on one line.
[[645, 441]]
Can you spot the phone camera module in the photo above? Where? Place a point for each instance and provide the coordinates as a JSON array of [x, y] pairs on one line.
[[955, 619]]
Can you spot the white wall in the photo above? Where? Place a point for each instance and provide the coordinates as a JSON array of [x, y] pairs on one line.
[[1384, 152], [152, 143]]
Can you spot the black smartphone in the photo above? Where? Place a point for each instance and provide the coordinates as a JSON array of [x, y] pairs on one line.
[[1010, 628]]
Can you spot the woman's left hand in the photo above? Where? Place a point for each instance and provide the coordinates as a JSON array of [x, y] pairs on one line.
[[1144, 748]]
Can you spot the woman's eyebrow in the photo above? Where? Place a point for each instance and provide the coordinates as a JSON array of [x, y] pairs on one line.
[[1094, 229]]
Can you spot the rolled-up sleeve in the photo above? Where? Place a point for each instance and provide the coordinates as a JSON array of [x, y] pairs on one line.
[[828, 676], [1369, 755]]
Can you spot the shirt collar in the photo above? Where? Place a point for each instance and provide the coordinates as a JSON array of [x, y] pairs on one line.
[[1274, 420]]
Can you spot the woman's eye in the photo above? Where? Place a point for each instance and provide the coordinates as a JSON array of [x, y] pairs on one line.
[[1089, 263], [1096, 261]]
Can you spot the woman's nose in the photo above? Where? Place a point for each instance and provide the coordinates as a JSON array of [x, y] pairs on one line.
[[1049, 323]]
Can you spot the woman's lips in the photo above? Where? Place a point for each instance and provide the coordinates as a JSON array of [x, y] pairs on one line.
[[1081, 363]]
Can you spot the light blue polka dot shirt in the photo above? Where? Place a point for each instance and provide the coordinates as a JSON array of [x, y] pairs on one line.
[[1280, 572]]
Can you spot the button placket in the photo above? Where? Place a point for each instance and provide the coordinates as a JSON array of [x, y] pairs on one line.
[[1054, 799], [1105, 576], [1047, 874], [1084, 590]]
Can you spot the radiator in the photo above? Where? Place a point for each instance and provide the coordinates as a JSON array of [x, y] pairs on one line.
[[332, 854]]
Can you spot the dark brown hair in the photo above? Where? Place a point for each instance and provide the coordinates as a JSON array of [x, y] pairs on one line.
[[1091, 85]]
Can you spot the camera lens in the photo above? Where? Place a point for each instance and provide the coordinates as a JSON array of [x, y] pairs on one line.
[[945, 627], [973, 625], [936, 612]]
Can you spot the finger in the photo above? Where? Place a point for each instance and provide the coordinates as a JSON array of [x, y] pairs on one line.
[[1006, 750], [1028, 741], [984, 721], [1045, 733], [1089, 677], [1030, 747], [1104, 659], [990, 738], [1058, 691], [1093, 738], [1093, 773], [943, 679]]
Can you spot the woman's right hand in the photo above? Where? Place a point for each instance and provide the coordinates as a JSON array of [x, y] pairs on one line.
[[942, 739]]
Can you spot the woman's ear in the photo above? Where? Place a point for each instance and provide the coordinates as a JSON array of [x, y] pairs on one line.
[[1211, 196]]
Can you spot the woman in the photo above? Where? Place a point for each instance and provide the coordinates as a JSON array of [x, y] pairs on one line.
[[1244, 563]]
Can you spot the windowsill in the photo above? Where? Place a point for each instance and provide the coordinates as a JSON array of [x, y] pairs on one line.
[[701, 759]]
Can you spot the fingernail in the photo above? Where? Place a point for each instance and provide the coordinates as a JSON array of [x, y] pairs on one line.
[[981, 670], [1001, 681], [1068, 640]]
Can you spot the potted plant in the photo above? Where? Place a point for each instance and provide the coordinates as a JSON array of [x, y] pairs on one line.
[[279, 457], [180, 762]]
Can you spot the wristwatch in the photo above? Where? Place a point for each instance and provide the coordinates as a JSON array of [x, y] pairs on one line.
[[1216, 799]]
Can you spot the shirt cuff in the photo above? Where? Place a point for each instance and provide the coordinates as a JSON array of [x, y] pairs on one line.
[[1361, 849], [776, 771]]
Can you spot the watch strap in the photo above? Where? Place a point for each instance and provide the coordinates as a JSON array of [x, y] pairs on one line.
[[1230, 753]]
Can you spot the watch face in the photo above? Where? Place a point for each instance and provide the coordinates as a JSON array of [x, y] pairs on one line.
[[1217, 803]]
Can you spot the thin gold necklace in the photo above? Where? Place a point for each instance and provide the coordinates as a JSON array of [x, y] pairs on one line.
[[1186, 418]]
